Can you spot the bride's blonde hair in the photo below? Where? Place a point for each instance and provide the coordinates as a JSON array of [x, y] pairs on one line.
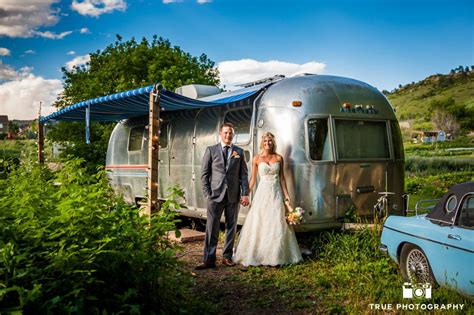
[[272, 137]]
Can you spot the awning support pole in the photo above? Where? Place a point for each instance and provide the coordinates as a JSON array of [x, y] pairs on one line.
[[153, 150], [40, 142], [88, 124]]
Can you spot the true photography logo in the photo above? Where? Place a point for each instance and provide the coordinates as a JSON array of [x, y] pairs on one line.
[[412, 293], [417, 290]]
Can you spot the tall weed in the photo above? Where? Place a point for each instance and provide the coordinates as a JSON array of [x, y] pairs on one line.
[[433, 166], [68, 245]]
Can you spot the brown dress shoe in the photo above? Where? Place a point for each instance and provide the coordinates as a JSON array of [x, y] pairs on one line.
[[228, 262], [206, 265]]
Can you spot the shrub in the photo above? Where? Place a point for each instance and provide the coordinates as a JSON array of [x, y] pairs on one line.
[[435, 186], [421, 165], [70, 246]]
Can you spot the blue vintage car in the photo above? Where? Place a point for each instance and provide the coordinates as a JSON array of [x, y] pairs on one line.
[[437, 247]]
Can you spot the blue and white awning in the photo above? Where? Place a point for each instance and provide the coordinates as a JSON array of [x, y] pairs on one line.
[[135, 103]]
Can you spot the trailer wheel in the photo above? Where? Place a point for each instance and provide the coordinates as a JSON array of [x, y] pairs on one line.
[[414, 265], [198, 224]]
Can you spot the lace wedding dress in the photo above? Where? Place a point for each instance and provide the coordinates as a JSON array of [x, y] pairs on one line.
[[266, 238]]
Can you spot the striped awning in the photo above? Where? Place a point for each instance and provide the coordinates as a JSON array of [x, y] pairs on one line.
[[135, 103]]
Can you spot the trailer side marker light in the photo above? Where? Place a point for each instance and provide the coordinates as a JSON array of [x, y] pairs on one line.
[[347, 105], [297, 103]]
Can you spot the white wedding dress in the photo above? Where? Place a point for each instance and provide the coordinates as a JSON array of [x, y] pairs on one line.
[[266, 238]]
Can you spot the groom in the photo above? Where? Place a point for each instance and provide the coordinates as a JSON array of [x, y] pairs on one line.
[[224, 180]]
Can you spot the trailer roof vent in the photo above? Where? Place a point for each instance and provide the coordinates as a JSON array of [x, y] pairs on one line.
[[196, 91], [276, 77], [304, 74]]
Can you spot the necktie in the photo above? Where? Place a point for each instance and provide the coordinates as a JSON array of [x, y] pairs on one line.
[[226, 154]]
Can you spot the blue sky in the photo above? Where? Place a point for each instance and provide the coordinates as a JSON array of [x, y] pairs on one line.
[[383, 43]]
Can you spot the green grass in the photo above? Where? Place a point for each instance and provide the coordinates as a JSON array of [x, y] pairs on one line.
[[14, 149], [346, 275], [18, 149]]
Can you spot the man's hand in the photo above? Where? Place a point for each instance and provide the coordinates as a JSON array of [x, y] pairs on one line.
[[244, 201]]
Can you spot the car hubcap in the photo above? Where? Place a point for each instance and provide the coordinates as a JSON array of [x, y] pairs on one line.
[[417, 267]]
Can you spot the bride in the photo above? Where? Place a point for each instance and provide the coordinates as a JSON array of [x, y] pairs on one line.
[[266, 238]]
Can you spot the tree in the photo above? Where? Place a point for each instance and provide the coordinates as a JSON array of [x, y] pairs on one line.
[[462, 114], [445, 121], [122, 66], [13, 127], [126, 65]]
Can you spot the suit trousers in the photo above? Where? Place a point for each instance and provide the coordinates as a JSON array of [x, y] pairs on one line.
[[214, 214]]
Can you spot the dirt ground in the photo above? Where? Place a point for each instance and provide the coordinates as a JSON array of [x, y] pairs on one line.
[[222, 287]]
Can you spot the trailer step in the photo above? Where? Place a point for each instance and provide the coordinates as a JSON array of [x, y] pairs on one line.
[[187, 235]]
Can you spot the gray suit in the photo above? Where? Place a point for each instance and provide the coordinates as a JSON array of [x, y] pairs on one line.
[[222, 187]]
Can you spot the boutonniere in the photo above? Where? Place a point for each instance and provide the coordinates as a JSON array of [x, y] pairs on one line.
[[235, 155]]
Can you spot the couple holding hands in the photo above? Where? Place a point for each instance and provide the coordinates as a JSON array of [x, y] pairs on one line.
[[265, 238]]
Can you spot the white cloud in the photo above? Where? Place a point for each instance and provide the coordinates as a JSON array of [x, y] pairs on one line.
[[234, 72], [203, 1], [78, 61], [171, 1], [84, 30], [19, 99], [30, 52], [4, 51], [20, 19], [8, 73], [21, 91], [52, 35], [72, 52], [98, 7]]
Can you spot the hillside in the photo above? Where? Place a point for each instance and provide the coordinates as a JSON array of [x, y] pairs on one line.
[[412, 101]]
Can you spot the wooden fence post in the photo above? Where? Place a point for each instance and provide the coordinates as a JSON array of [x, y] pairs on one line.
[[153, 151], [40, 142]]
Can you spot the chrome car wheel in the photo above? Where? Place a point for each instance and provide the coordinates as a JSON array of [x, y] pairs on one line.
[[414, 265]]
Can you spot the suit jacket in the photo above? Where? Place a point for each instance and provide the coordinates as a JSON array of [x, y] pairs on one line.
[[216, 180]]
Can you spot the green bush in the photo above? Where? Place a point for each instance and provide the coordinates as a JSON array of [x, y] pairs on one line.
[[68, 245], [434, 186], [421, 165]]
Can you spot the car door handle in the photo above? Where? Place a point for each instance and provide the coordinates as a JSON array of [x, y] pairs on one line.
[[454, 237]]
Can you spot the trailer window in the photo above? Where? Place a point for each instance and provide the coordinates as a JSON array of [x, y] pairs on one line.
[[135, 140], [241, 120], [319, 146], [359, 139]]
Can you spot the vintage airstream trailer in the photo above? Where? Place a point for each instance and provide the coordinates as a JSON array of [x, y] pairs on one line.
[[339, 137]]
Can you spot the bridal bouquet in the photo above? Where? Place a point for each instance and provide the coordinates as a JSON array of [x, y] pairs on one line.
[[295, 216]]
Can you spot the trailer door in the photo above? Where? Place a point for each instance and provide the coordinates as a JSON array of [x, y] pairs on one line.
[[364, 166]]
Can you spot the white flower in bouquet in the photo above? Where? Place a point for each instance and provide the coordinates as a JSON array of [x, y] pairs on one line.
[[295, 216]]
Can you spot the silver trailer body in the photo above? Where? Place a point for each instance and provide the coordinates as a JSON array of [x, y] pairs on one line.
[[339, 137]]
